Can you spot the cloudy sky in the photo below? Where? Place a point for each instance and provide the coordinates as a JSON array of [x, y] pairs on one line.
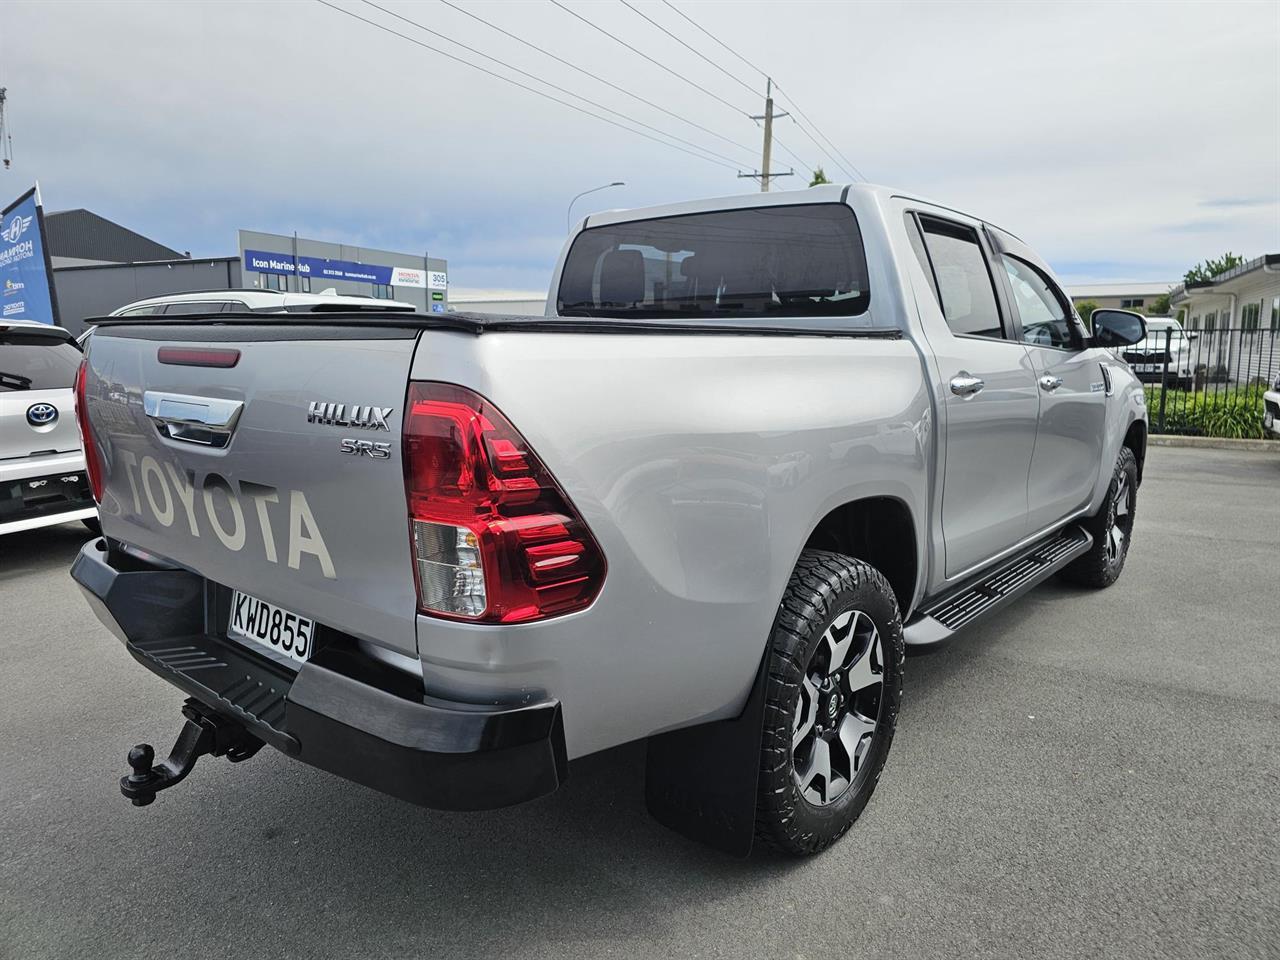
[[1122, 140]]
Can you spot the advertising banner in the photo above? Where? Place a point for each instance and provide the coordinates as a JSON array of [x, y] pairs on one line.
[[26, 275], [262, 261]]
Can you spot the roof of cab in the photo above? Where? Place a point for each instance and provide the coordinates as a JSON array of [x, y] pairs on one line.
[[825, 193]]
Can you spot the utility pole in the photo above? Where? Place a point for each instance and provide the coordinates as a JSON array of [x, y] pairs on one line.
[[764, 175]]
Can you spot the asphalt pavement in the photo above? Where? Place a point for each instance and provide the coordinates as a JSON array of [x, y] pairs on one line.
[[1087, 774]]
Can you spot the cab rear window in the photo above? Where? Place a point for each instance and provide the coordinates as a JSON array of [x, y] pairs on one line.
[[36, 362], [802, 260]]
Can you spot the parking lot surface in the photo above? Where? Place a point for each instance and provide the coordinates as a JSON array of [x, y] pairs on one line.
[[1084, 775]]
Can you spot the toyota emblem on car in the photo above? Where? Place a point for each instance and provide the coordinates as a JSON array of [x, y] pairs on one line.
[[41, 414]]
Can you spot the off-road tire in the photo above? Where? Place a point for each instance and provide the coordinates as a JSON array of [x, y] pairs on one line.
[[1101, 566], [823, 587]]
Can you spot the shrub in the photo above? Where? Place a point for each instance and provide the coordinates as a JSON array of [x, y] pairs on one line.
[[1235, 413]]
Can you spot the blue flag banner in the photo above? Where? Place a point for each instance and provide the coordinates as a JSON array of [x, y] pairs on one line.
[[25, 272]]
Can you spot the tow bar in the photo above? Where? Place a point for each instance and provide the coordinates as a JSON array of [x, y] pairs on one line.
[[204, 732]]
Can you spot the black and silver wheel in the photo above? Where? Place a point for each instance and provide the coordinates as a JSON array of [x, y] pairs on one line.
[[832, 696], [1111, 528]]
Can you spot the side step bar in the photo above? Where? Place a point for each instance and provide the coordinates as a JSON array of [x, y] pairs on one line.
[[943, 618]]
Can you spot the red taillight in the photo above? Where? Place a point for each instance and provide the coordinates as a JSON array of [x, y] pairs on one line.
[[93, 466], [494, 538]]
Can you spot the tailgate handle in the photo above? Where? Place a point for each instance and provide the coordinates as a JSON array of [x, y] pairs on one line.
[[208, 421]]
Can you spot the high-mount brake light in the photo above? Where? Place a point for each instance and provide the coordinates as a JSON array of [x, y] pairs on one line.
[[92, 463], [494, 538], [199, 356]]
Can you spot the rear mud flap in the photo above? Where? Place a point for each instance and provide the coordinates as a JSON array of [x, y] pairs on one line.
[[702, 781]]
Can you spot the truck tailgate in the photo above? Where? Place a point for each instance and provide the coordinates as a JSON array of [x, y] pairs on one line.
[[264, 496]]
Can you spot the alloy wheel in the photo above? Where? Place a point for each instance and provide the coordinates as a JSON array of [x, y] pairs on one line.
[[1121, 519], [839, 709]]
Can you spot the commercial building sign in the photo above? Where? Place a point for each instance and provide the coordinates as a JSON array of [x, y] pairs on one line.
[[26, 276], [262, 261]]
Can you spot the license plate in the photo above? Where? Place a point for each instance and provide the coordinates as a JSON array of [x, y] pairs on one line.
[[269, 626]]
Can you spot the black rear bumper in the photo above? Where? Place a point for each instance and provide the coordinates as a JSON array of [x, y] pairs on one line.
[[341, 712]]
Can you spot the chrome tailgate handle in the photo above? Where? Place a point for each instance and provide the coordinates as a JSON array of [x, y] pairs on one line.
[[208, 421]]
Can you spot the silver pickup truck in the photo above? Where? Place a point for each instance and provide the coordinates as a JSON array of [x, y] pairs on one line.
[[757, 450]]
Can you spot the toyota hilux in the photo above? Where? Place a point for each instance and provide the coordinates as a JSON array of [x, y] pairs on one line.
[[757, 450]]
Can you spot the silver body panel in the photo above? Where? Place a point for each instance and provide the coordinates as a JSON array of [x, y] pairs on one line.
[[701, 463]]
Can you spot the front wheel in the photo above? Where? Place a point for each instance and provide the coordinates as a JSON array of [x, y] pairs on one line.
[[1111, 527], [831, 701]]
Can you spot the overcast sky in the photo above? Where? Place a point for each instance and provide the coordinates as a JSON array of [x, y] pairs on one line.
[[1122, 140]]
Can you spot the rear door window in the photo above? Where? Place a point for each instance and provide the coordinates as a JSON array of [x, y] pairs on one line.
[[36, 362], [802, 260], [963, 280]]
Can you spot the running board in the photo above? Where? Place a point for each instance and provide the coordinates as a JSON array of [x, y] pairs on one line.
[[935, 624]]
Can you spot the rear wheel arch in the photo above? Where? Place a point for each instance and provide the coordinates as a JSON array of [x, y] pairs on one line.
[[878, 530]]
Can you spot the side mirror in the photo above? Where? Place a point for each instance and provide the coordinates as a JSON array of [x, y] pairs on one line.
[[1117, 328], [1193, 335]]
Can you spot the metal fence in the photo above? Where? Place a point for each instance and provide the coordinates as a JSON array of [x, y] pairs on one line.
[[1206, 382]]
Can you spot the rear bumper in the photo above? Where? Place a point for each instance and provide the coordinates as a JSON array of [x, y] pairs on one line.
[[41, 491], [340, 712]]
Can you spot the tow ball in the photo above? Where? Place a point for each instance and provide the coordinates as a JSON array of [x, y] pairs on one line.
[[203, 733]]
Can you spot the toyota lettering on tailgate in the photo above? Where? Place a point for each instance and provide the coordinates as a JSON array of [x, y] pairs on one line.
[[168, 494]]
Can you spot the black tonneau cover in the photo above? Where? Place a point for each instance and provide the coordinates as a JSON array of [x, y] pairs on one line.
[[480, 323]]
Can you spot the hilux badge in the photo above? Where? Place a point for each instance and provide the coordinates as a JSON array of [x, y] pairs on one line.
[[339, 415]]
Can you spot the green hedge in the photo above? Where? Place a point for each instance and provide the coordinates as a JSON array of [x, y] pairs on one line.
[[1234, 413]]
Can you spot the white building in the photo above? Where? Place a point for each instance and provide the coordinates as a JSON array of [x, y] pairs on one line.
[[1237, 316], [520, 303], [1127, 295]]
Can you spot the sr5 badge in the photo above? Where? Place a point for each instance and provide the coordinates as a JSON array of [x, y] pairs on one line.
[[378, 450]]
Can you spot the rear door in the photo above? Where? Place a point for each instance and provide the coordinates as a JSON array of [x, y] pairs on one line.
[[987, 391], [232, 472], [1069, 437]]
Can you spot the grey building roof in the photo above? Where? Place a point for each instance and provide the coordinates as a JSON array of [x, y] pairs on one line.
[[82, 235]]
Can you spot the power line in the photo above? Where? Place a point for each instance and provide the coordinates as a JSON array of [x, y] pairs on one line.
[[715, 38], [585, 72], [516, 83], [847, 165], [695, 52], [796, 107], [537, 79], [640, 53]]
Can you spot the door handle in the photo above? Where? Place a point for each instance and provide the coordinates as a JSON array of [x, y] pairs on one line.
[[207, 421], [1050, 384], [964, 385]]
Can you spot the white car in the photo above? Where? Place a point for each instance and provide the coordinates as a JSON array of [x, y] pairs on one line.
[[1166, 345], [1271, 409], [42, 469], [255, 301]]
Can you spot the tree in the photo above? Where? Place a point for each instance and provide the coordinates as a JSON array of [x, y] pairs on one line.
[[819, 177], [1085, 308], [1205, 272], [1159, 307]]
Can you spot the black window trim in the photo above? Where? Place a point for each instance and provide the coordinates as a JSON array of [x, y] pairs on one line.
[[1012, 333]]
